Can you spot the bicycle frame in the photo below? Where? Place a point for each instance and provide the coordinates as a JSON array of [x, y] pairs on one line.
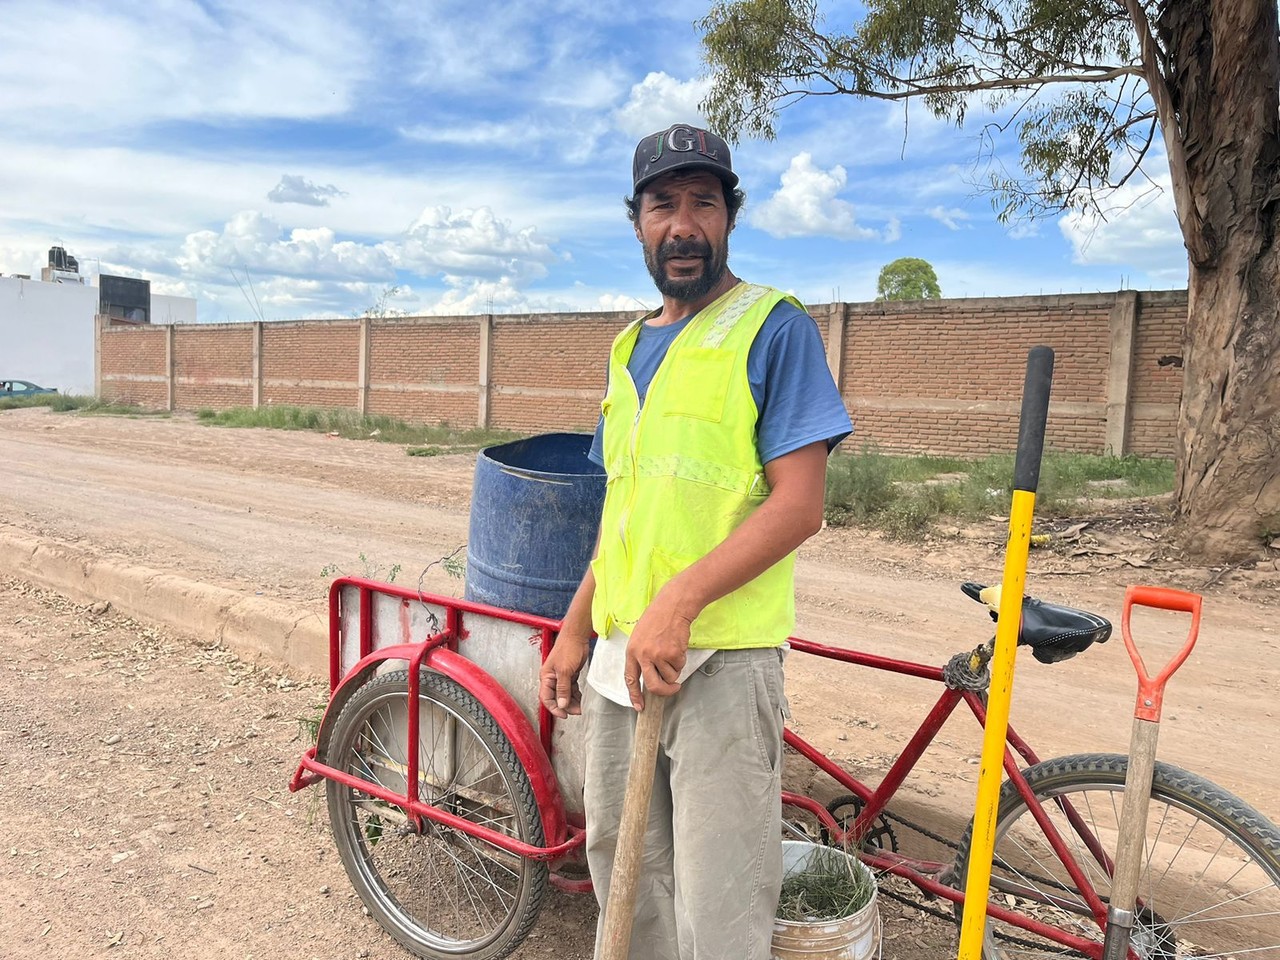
[[924, 873]]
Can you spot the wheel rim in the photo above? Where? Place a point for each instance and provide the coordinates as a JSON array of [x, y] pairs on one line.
[[441, 888], [1204, 891]]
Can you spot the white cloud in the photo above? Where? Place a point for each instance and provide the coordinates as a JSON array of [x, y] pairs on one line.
[[658, 101], [1140, 231], [626, 302], [24, 258], [807, 204], [893, 230], [253, 242], [951, 218], [582, 89], [297, 189], [472, 243], [467, 297], [455, 46], [574, 137], [480, 259], [480, 133], [72, 68]]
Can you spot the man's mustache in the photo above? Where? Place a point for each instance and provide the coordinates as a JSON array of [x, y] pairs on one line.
[[684, 248]]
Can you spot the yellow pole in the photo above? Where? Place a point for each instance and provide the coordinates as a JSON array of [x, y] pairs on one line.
[[1026, 476]]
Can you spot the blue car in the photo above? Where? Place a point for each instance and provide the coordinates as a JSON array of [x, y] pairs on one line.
[[22, 388]]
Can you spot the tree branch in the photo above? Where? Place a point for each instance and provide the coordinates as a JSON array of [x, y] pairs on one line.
[[1142, 153], [1193, 235], [916, 89]]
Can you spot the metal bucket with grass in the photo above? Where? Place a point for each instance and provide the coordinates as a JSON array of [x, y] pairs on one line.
[[843, 920]]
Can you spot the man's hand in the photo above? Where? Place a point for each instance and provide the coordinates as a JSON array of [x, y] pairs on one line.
[[558, 682], [657, 649]]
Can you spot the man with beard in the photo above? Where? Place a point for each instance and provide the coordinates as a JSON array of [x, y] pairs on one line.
[[715, 430]]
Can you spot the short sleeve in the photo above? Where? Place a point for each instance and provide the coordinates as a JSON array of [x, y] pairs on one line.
[[798, 399]]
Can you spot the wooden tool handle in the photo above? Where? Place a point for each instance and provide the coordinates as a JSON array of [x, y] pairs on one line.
[[1133, 834], [1133, 816], [620, 910]]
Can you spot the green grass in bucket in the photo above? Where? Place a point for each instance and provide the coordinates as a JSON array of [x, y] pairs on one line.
[[831, 886]]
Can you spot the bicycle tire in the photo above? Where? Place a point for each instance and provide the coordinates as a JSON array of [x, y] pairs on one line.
[[1210, 881], [441, 894]]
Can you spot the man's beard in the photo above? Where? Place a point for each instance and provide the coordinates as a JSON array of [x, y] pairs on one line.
[[687, 289]]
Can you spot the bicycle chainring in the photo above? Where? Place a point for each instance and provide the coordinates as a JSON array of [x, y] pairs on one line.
[[845, 809]]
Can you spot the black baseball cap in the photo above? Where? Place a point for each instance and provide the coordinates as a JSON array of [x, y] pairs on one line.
[[681, 146]]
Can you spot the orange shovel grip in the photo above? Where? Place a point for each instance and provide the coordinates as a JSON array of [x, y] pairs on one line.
[[1151, 689]]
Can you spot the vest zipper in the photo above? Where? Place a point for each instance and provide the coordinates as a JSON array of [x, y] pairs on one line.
[[635, 466]]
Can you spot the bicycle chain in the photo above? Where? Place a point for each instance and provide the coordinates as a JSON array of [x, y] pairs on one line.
[[1039, 945]]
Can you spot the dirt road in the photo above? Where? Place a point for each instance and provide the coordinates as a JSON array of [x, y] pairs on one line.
[[263, 512]]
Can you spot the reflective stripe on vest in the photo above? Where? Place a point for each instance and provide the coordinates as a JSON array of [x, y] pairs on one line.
[[684, 472]]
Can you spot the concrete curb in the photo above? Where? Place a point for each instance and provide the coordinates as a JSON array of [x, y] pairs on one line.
[[291, 635]]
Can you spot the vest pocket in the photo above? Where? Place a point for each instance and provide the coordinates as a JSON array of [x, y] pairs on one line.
[[698, 383], [720, 622], [662, 568]]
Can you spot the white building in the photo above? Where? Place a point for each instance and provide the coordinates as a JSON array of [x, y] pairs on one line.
[[47, 325]]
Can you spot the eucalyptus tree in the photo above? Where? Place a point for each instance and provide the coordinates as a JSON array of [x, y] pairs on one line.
[[1090, 88]]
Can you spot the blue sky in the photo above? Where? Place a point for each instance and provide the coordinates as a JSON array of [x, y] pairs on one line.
[[474, 156]]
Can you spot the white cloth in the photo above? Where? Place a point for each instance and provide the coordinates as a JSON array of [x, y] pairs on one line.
[[609, 661]]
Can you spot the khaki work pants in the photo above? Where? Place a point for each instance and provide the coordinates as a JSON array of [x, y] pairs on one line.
[[712, 869]]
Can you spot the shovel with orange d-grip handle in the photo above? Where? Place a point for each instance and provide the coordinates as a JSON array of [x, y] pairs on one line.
[[1142, 757]]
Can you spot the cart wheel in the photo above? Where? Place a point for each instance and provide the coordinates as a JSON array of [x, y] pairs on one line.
[[440, 893]]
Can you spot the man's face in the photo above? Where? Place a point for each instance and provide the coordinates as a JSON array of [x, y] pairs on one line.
[[683, 224]]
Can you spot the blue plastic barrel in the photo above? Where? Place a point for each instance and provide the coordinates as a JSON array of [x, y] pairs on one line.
[[535, 508]]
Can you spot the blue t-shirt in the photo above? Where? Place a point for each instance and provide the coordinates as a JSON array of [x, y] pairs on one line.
[[790, 381]]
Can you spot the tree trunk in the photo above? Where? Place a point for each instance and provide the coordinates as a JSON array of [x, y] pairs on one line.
[[1223, 70]]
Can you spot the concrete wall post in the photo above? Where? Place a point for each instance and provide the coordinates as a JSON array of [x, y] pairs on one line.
[[257, 364], [362, 372], [486, 364], [837, 317], [1124, 328], [170, 366]]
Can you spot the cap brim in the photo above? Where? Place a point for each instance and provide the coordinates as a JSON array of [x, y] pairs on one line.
[[728, 176]]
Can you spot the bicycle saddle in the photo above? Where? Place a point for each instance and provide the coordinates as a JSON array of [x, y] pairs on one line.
[[1053, 632]]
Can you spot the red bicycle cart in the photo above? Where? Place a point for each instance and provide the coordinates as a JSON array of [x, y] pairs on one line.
[[453, 843]]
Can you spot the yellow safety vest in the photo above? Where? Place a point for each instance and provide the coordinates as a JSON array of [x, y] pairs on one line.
[[684, 472]]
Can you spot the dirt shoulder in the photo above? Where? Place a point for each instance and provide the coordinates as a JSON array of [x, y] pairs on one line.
[[208, 739], [146, 810]]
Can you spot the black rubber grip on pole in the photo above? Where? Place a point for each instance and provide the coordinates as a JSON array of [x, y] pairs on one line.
[[1035, 412]]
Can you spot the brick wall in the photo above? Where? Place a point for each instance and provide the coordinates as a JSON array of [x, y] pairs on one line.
[[310, 363], [133, 365], [945, 376], [1157, 388], [549, 372], [212, 366], [425, 369], [939, 376]]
